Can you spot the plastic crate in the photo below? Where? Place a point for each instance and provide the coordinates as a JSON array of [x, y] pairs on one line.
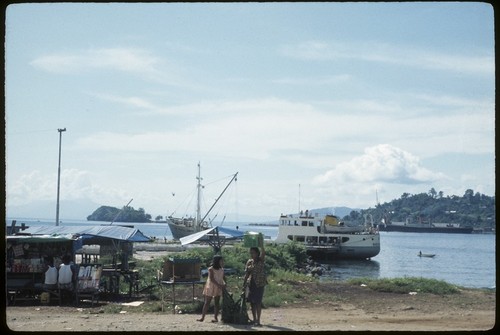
[[251, 239]]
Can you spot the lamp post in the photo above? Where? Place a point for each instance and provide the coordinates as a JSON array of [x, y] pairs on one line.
[[59, 175]]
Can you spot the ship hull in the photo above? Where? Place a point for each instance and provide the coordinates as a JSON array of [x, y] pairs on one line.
[[414, 229], [331, 246], [331, 254], [179, 231]]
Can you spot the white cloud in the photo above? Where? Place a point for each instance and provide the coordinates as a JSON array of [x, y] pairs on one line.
[[317, 81], [133, 102], [75, 185], [249, 128], [135, 61], [382, 163], [263, 128], [387, 53], [383, 170]]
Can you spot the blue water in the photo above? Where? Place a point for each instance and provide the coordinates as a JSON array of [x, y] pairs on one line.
[[463, 259]]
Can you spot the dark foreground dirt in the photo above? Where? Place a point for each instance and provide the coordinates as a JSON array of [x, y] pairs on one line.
[[350, 308]]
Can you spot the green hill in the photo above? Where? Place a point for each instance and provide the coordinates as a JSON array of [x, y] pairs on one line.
[[471, 209], [126, 214]]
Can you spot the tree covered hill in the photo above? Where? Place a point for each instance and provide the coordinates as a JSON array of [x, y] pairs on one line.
[[471, 209], [126, 214]]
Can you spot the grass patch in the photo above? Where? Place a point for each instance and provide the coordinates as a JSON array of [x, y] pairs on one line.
[[148, 306], [407, 284], [195, 307], [286, 287], [112, 308], [285, 276]]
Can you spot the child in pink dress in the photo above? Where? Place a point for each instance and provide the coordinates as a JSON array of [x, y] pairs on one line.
[[213, 287]]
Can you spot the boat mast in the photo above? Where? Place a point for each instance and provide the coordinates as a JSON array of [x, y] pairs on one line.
[[299, 199], [198, 200], [220, 195], [120, 211]]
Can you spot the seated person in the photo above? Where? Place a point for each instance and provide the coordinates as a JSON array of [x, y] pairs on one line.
[[67, 274], [50, 275]]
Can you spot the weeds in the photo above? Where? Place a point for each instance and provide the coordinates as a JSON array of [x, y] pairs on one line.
[[407, 284]]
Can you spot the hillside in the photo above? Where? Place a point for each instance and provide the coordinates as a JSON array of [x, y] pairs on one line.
[[471, 209]]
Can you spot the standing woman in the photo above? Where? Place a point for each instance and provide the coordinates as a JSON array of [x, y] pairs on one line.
[[256, 273], [213, 287]]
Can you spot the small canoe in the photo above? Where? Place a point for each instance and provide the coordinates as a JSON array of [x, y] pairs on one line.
[[426, 255]]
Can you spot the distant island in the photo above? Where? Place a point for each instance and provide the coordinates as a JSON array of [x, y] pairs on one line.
[[126, 214]]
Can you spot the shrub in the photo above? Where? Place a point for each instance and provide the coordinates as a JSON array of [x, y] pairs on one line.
[[278, 256]]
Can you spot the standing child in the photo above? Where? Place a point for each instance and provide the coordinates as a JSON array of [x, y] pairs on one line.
[[214, 286]]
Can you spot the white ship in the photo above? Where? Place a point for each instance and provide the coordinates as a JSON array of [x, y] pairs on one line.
[[181, 227], [325, 236]]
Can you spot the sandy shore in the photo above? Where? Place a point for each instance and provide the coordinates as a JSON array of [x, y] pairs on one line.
[[352, 308]]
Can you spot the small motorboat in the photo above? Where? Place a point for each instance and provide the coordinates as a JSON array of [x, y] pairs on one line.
[[420, 254]]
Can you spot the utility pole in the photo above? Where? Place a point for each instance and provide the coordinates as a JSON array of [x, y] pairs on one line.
[[59, 175]]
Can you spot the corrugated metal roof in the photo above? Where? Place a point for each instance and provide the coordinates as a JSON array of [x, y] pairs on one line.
[[113, 232], [42, 238]]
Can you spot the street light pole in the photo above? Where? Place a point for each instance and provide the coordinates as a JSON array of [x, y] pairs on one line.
[[59, 175]]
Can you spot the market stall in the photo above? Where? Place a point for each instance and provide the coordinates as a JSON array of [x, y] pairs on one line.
[[25, 260], [96, 272]]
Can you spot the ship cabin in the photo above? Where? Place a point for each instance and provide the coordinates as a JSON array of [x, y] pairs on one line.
[[304, 220], [312, 229]]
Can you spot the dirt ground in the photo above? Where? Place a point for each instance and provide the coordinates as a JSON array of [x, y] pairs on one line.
[[352, 308]]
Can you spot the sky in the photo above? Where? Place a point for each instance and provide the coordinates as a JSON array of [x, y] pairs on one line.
[[313, 104]]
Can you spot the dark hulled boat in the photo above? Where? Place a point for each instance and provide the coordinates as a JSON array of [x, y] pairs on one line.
[[405, 227]]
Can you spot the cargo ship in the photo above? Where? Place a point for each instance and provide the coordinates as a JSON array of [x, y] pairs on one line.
[[425, 227]]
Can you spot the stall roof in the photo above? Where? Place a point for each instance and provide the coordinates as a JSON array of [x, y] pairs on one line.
[[42, 238], [113, 232]]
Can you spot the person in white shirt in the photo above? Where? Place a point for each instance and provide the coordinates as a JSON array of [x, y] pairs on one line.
[[50, 275], [66, 274]]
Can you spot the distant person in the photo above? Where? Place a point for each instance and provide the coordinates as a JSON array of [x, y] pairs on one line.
[[213, 288], [49, 274], [67, 274], [255, 280]]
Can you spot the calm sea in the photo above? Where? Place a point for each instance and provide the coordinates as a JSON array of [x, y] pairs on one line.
[[462, 259]]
